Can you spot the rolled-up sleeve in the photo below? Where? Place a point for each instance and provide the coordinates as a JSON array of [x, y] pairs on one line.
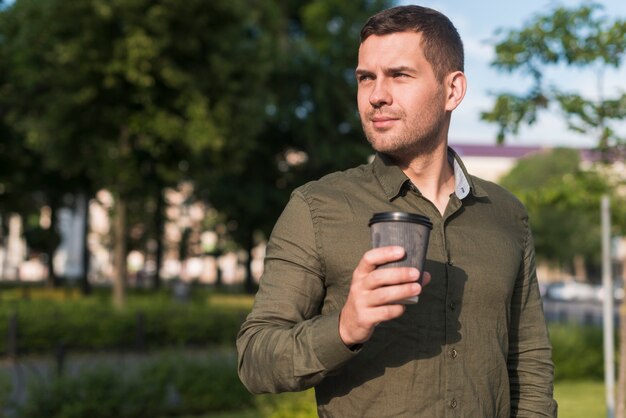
[[285, 344]]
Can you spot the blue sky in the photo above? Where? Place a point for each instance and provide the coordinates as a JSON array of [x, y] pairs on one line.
[[477, 21]]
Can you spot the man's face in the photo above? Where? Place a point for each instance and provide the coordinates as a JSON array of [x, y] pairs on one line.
[[401, 103]]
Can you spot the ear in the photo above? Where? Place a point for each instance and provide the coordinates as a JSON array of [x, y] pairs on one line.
[[456, 85]]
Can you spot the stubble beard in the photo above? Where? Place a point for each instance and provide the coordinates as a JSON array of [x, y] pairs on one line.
[[421, 137]]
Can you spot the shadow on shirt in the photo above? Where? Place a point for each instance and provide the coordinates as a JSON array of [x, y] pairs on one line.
[[397, 346]]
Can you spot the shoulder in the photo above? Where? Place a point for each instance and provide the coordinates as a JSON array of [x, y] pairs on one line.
[[499, 197], [337, 184]]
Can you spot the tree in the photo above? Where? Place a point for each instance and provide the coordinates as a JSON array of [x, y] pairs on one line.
[[579, 38], [25, 186], [576, 38], [563, 200], [127, 94], [311, 123]]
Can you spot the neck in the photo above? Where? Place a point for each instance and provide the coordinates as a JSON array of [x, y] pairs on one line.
[[432, 175]]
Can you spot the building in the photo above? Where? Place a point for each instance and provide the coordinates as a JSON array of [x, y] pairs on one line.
[[491, 161]]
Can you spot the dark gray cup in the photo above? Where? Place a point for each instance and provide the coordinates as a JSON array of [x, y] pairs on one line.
[[408, 230]]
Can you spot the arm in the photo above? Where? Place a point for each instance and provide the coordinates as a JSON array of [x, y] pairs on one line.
[[285, 344], [531, 372]]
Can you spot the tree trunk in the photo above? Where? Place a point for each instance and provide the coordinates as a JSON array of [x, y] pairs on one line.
[[159, 223], [119, 253], [85, 285], [580, 270], [53, 279], [621, 383], [250, 286]]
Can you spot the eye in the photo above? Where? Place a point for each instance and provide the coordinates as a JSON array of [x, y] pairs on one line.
[[400, 75], [364, 77]]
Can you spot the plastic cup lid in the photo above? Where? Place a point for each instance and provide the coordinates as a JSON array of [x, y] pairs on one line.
[[401, 217]]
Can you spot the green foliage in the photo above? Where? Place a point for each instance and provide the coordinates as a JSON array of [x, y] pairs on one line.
[[135, 96], [577, 352], [178, 382], [5, 387], [311, 125], [131, 96], [92, 323], [168, 386], [137, 86], [563, 201], [574, 37]]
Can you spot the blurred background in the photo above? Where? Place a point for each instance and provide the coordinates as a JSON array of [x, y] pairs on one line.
[[148, 146]]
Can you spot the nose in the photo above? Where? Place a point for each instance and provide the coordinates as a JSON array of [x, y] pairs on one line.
[[380, 95]]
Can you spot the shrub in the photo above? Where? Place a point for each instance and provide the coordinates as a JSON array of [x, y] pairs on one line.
[[170, 386], [577, 352], [5, 388], [150, 321]]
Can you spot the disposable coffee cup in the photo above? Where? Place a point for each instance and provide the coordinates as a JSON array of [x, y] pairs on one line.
[[408, 230]]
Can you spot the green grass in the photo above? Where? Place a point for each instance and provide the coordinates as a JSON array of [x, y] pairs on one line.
[[580, 399], [576, 399]]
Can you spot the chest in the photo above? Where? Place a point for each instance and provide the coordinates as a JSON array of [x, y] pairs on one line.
[[474, 256]]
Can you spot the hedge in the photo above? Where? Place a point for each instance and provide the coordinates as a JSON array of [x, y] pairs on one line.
[[50, 319], [44, 325], [168, 386]]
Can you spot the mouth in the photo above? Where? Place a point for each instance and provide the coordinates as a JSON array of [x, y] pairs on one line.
[[383, 122]]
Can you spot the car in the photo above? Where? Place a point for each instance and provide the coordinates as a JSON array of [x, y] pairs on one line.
[[571, 290], [618, 292]]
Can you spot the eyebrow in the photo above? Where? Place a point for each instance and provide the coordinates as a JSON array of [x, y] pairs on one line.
[[390, 70], [400, 69], [359, 72]]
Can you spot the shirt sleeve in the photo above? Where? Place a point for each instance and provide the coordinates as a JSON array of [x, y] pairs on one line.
[[285, 343], [531, 371]]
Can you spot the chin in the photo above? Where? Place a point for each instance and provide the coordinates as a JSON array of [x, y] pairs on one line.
[[404, 151]]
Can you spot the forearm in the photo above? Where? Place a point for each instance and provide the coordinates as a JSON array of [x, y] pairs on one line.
[[531, 371], [276, 357], [286, 343], [531, 379]]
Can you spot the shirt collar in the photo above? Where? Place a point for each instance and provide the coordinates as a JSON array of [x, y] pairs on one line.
[[393, 180]]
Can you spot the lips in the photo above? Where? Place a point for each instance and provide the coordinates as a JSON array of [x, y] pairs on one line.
[[382, 122]]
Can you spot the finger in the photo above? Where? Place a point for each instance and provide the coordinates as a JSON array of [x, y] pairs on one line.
[[426, 277], [390, 311], [391, 276], [385, 313], [389, 295], [378, 256]]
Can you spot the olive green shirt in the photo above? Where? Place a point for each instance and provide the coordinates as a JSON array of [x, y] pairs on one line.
[[476, 343]]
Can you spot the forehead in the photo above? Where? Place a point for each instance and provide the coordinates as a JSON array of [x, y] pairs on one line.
[[395, 49]]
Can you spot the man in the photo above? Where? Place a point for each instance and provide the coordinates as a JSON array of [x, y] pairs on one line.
[[476, 344]]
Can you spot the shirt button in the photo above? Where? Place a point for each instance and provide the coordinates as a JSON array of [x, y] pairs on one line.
[[452, 306], [454, 353], [453, 403], [450, 262]]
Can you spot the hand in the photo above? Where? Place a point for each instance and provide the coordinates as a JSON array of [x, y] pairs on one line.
[[374, 294]]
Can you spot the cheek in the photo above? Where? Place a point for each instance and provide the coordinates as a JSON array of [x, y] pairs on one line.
[[362, 100]]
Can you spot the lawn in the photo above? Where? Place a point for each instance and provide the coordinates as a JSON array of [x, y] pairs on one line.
[[577, 399], [580, 399]]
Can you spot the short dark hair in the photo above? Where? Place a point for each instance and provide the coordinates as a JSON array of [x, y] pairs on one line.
[[441, 42]]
